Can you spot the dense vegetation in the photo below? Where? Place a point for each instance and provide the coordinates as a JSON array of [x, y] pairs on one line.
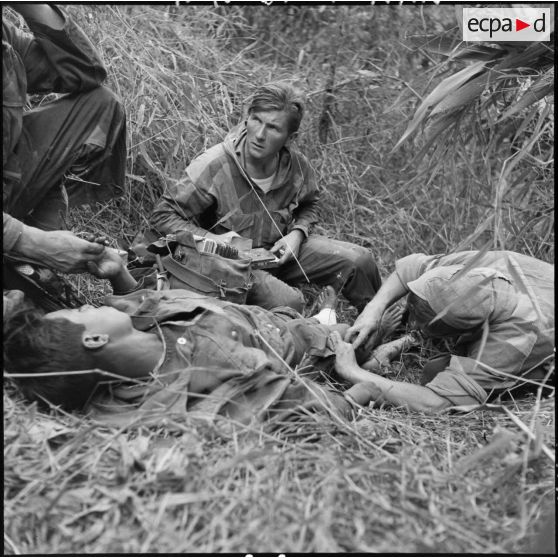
[[391, 481], [184, 72]]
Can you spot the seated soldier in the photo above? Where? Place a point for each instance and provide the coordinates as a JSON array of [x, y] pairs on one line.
[[71, 150], [255, 185], [500, 303], [173, 351]]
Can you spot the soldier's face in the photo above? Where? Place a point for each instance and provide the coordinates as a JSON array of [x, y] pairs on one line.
[[266, 133], [103, 320]]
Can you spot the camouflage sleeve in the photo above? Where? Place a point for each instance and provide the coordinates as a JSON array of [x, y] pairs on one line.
[[186, 201], [411, 267], [496, 363], [63, 61], [307, 213]]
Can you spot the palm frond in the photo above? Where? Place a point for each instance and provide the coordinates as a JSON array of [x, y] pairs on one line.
[[444, 90], [542, 87], [509, 76]]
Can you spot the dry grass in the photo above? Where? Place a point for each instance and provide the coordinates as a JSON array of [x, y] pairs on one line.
[[391, 481]]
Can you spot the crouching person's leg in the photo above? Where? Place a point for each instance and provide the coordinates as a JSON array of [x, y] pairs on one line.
[[100, 162], [347, 267], [79, 140], [269, 292]]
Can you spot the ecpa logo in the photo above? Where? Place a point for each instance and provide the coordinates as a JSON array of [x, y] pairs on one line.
[[520, 23]]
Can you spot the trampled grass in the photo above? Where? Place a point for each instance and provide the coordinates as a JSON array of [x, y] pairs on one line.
[[390, 481]]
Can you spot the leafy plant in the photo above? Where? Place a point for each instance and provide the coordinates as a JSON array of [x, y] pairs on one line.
[[495, 114]]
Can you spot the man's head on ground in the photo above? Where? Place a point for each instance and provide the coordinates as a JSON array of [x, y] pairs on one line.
[[463, 300], [36, 344], [101, 324], [423, 318]]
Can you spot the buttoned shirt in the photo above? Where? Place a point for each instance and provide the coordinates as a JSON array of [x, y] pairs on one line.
[[48, 60], [217, 195], [218, 355], [519, 335]]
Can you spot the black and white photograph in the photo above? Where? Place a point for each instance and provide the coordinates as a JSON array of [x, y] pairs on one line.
[[278, 278]]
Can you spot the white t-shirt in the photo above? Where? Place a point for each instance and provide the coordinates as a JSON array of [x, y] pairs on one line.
[[265, 183]]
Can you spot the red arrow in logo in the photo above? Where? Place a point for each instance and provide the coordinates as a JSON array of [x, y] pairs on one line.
[[519, 24]]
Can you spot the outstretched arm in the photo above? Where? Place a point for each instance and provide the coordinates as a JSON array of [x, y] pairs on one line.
[[60, 250], [369, 320], [400, 394], [112, 267]]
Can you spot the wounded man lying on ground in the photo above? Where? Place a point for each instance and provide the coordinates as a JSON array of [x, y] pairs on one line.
[[173, 351], [499, 305]]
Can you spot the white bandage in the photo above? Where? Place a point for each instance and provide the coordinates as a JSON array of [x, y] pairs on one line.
[[327, 316]]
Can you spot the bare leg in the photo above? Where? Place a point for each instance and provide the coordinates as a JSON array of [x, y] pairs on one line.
[[370, 385], [385, 353], [391, 318]]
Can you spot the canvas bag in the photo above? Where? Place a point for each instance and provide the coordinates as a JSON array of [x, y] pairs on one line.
[[182, 265]]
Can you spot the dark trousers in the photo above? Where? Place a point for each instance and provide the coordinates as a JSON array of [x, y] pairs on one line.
[[71, 151], [349, 268], [77, 141]]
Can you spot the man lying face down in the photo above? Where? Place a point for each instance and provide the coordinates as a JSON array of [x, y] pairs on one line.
[[498, 304], [171, 351]]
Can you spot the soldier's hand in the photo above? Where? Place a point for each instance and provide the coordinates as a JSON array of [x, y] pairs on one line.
[[59, 250], [109, 266], [344, 352], [288, 247], [364, 326], [94, 237]]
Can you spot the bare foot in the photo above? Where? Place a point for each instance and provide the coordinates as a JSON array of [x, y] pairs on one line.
[[384, 354], [391, 319], [327, 298]]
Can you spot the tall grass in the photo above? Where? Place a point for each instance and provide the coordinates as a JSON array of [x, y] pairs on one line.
[[184, 72], [390, 481]]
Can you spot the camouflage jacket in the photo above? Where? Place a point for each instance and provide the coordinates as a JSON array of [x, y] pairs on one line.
[[217, 195]]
